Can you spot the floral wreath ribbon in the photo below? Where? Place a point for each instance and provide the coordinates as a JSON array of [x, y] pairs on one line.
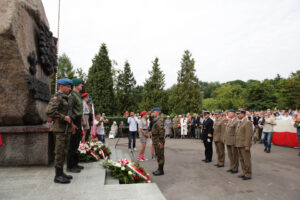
[[135, 169]]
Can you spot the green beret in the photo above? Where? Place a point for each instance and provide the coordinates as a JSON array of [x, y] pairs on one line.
[[76, 81]]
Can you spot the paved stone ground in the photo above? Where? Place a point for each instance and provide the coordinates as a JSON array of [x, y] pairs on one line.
[[275, 175]]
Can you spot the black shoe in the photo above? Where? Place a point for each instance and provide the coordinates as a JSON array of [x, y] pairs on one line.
[[246, 178], [79, 167], [241, 176], [229, 170], [219, 166], [216, 165], [208, 161], [204, 160], [59, 177], [67, 176], [268, 151], [234, 172], [74, 170], [160, 171]]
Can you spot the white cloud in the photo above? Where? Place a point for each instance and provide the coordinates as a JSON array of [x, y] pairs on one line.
[[232, 39]]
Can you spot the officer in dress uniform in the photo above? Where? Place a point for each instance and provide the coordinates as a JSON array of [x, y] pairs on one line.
[[243, 138], [77, 115], [207, 136], [57, 110], [230, 142], [158, 139], [219, 131]]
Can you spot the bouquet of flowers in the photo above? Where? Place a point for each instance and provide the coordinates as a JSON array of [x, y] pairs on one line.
[[297, 123], [127, 172], [93, 151]]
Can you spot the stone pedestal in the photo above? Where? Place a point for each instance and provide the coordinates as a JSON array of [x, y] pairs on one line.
[[26, 145]]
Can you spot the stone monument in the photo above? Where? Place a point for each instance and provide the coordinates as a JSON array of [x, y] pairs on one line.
[[28, 58]]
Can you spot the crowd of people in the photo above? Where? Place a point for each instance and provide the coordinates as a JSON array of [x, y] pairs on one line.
[[72, 112]]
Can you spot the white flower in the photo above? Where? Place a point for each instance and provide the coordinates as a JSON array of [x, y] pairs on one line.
[[122, 168], [129, 173], [95, 148], [149, 181]]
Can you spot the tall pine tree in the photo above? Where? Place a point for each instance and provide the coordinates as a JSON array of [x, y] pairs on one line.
[[126, 90], [154, 94], [100, 82], [187, 94]]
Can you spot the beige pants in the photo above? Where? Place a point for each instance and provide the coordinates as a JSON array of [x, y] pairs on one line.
[[245, 159], [233, 156], [220, 149]]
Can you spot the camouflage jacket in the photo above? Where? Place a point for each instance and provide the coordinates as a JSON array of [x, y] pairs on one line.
[[158, 131], [57, 109]]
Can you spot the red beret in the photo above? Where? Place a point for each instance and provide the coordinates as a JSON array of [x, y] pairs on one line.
[[143, 113], [84, 95]]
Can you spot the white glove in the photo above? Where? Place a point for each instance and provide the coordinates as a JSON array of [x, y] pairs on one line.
[[208, 140]]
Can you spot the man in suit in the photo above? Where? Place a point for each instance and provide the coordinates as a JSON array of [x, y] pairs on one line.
[[207, 136], [229, 137], [219, 131], [197, 126], [243, 137]]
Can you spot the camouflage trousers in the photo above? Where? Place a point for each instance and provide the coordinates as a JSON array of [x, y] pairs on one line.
[[160, 154], [61, 145]]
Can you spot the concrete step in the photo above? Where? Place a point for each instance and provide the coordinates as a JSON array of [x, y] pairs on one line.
[[147, 191], [110, 180]]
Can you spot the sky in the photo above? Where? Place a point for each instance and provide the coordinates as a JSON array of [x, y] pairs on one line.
[[229, 39]]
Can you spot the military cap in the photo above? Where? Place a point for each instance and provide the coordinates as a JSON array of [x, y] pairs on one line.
[[76, 81], [89, 100], [206, 112], [84, 95], [64, 81], [231, 110], [241, 111], [218, 112], [156, 109], [143, 113]]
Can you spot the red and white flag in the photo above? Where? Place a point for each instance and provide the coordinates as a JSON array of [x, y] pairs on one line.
[[1, 143]]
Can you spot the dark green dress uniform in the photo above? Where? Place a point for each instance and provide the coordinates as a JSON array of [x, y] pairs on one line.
[[57, 109], [158, 136], [77, 111]]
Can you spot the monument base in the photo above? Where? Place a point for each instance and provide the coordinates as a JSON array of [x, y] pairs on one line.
[[26, 145]]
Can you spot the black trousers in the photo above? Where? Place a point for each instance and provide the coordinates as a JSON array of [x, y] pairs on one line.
[[208, 150], [72, 159]]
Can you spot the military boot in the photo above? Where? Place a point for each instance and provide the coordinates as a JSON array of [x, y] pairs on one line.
[[59, 177], [66, 176], [160, 171]]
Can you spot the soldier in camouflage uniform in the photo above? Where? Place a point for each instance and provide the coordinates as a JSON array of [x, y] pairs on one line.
[[57, 110], [158, 139]]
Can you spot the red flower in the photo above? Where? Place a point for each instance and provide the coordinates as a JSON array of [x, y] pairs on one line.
[[136, 177], [105, 154], [142, 169]]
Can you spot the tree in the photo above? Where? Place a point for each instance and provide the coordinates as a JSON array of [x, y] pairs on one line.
[[260, 96], [80, 74], [228, 97], [289, 96], [208, 88], [126, 90], [187, 94], [154, 95], [99, 84], [65, 70]]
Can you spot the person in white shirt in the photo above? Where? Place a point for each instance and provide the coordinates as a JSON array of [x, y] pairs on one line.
[[286, 116], [113, 130], [133, 122], [99, 122]]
